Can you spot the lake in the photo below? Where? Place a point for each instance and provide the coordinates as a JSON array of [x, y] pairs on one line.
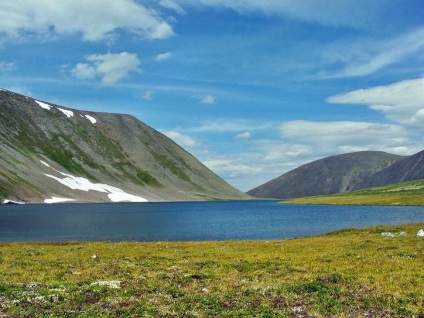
[[189, 221]]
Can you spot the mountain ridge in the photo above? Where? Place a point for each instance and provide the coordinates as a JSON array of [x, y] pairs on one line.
[[51, 151], [407, 169], [330, 175]]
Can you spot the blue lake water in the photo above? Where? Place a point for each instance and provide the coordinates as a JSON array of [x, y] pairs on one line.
[[189, 221]]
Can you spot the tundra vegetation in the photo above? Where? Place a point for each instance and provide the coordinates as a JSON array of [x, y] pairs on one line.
[[348, 273], [407, 193]]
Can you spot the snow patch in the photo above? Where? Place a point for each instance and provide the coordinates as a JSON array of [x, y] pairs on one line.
[[11, 202], [43, 105], [92, 119], [68, 113], [45, 163], [57, 200], [83, 184], [121, 196]]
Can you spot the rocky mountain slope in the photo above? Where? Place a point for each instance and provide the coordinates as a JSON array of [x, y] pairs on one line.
[[408, 169], [50, 153], [331, 175]]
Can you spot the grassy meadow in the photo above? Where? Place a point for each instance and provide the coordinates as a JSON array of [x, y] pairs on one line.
[[349, 273], [408, 193]]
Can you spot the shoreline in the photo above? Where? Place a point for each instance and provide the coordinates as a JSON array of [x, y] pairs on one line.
[[350, 272]]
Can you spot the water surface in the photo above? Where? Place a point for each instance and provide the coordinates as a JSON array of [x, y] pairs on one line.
[[189, 221]]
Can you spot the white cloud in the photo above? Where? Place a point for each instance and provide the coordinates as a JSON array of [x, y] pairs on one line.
[[172, 5], [402, 102], [224, 125], [325, 138], [95, 19], [334, 13], [207, 99], [231, 167], [109, 67], [20, 90], [182, 140], [256, 161], [244, 135], [367, 57], [149, 95], [163, 56], [7, 66], [304, 141]]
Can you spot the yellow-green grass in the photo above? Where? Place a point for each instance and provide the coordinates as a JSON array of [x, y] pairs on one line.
[[408, 193], [349, 273]]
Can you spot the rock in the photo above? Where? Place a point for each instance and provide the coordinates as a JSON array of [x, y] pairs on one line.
[[11, 202], [420, 232], [114, 284], [390, 234], [33, 285]]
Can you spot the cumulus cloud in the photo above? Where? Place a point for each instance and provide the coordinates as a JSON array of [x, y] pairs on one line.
[[402, 102], [244, 135], [109, 67], [95, 19], [301, 142], [182, 140], [347, 136], [255, 161], [242, 174], [364, 58], [163, 56]]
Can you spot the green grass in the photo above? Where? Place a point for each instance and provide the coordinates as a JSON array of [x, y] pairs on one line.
[[349, 273], [408, 193]]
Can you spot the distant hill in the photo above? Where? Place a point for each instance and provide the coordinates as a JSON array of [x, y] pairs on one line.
[[408, 169], [405, 193], [331, 175], [51, 153]]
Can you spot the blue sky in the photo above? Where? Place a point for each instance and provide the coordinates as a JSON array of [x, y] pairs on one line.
[[252, 88]]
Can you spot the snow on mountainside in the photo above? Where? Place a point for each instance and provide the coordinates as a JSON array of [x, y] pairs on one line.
[[83, 184], [51, 153]]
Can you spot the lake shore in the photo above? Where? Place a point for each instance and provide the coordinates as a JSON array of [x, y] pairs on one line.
[[365, 200], [347, 273], [401, 194]]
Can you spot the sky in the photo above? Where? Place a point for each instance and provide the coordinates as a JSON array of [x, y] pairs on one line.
[[252, 88]]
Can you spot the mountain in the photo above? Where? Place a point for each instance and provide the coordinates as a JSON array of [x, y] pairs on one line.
[[51, 153], [408, 169], [331, 175]]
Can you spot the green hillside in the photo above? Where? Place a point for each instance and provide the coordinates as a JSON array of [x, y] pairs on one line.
[[407, 193], [54, 153]]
